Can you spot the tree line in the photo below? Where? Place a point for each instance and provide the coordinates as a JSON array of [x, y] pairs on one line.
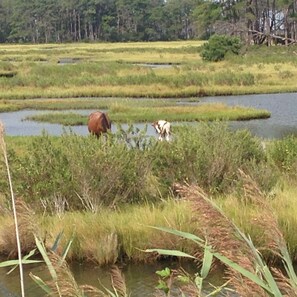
[[43, 21]]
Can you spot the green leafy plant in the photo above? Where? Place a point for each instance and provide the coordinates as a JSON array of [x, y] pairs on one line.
[[165, 279], [284, 154]]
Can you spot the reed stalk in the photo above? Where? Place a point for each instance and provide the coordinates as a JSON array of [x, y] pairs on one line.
[[3, 147]]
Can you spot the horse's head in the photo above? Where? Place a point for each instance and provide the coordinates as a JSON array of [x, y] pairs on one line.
[[156, 126]]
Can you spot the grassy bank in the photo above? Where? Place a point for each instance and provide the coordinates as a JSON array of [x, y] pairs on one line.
[[118, 70], [110, 236], [121, 113], [128, 110]]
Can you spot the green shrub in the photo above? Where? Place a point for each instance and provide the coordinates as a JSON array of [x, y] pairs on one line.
[[284, 154], [218, 46], [76, 172], [210, 155]]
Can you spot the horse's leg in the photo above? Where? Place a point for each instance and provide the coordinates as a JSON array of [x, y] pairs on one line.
[[167, 136]]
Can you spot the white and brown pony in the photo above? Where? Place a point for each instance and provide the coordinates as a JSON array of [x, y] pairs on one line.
[[163, 129], [98, 123]]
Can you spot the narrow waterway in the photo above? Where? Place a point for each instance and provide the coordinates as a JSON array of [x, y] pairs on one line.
[[283, 120]]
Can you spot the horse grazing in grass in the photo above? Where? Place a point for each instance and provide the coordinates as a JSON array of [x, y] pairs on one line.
[[98, 123], [163, 129]]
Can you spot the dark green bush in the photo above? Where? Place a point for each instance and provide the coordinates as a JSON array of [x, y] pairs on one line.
[[218, 46]]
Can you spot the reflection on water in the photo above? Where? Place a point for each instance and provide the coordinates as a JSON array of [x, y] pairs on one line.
[[141, 279]]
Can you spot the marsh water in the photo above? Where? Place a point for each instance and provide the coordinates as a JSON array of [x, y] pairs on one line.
[[142, 279], [283, 120]]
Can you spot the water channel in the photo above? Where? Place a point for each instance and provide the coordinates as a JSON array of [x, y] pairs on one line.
[[283, 120], [141, 279]]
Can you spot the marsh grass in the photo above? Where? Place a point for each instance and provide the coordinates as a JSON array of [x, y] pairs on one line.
[[66, 119], [116, 235], [86, 103], [121, 237], [77, 172], [132, 51], [48, 171], [127, 113], [114, 70], [133, 237]]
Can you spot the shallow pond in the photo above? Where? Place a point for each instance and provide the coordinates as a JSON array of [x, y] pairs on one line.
[[15, 125]]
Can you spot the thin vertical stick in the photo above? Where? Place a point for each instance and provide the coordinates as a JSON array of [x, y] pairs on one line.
[[3, 146]]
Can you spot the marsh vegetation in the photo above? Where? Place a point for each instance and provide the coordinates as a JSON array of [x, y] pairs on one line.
[[117, 70]]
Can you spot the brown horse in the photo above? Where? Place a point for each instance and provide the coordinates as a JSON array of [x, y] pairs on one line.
[[98, 123]]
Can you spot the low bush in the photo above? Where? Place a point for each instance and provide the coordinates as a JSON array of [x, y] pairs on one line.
[[284, 154], [210, 155], [74, 172], [218, 46]]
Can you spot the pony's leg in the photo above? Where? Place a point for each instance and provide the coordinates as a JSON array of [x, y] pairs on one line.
[[160, 137], [167, 137]]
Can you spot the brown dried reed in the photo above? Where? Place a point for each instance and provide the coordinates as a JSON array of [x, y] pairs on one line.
[[220, 233], [118, 281], [65, 284], [27, 228]]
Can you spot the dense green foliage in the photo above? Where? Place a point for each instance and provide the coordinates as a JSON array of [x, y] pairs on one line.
[[145, 20], [78, 172], [218, 46]]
